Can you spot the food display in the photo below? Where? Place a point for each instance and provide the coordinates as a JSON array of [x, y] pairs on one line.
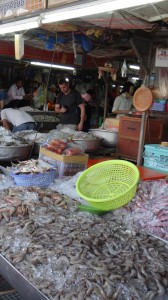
[[32, 166], [31, 136], [62, 147], [8, 139], [33, 173], [149, 208], [69, 254]]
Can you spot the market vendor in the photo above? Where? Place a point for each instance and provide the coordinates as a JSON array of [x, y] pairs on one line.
[[67, 103], [122, 103], [16, 93], [88, 111], [39, 95], [17, 119]]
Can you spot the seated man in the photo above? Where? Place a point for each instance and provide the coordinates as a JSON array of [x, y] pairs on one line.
[[16, 93]]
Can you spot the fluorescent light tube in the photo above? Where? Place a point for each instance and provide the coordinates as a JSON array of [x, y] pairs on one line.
[[135, 78], [91, 8], [134, 67], [36, 63], [20, 25]]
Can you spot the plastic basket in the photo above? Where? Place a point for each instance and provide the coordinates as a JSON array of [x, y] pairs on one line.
[[108, 185], [159, 106], [40, 179], [156, 157]]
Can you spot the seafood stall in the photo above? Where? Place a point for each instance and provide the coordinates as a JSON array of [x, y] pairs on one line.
[[46, 120], [13, 148], [53, 246], [50, 249]]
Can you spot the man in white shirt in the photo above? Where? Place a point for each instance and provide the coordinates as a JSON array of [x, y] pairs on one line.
[[16, 93], [19, 119]]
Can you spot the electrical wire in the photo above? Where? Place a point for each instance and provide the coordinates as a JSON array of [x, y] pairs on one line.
[[47, 85]]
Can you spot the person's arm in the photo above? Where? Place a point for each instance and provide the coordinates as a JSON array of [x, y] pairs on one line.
[[6, 124], [121, 112], [82, 117], [58, 107]]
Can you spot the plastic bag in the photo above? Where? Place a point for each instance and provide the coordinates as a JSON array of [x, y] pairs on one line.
[[73, 151], [56, 145], [161, 83]]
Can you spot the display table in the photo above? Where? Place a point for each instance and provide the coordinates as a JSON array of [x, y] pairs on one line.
[[46, 120], [145, 173]]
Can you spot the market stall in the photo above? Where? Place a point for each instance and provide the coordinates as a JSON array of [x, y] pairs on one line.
[[53, 245], [50, 249]]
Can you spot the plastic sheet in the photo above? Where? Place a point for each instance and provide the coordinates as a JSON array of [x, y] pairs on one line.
[[67, 186], [161, 83], [6, 182]]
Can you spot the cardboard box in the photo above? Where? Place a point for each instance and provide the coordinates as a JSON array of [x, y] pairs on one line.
[[111, 123]]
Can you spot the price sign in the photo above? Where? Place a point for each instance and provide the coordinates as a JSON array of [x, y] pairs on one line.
[[161, 59]]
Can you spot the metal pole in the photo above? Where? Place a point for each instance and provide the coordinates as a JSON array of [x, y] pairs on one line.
[[141, 139], [105, 102]]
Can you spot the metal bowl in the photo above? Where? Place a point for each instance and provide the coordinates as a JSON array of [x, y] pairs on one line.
[[36, 148], [108, 138], [88, 145], [15, 152]]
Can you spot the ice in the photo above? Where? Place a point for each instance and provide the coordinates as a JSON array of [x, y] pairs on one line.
[[67, 186], [6, 182]]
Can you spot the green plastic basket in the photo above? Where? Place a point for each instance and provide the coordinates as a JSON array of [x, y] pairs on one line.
[[108, 185]]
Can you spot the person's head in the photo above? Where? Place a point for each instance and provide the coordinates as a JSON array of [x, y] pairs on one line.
[[18, 82], [128, 88], [91, 92], [64, 86], [36, 85], [86, 97]]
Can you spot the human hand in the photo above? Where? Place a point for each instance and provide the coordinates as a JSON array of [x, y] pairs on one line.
[[63, 109], [80, 126], [28, 96]]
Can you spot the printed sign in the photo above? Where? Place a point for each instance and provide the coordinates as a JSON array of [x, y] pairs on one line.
[[161, 57], [14, 8]]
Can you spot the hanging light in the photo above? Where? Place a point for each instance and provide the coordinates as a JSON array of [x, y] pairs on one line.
[[91, 8], [134, 67], [47, 65], [20, 25]]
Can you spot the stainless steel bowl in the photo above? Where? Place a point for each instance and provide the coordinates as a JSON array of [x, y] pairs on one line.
[[88, 145], [36, 148], [108, 138], [15, 152]]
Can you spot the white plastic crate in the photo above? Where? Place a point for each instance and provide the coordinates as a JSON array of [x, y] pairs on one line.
[[65, 165]]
